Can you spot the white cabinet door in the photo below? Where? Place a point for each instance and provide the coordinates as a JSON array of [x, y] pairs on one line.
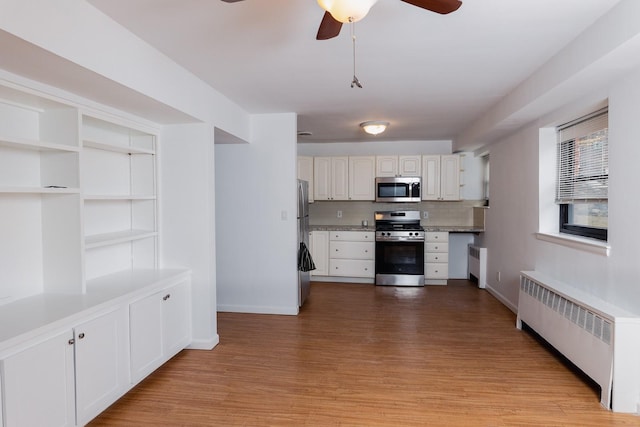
[[159, 328], [362, 178], [176, 321], [450, 177], [331, 178], [322, 178], [38, 384], [340, 177], [441, 177], [320, 252], [305, 172], [409, 165], [386, 166], [430, 187], [101, 362]]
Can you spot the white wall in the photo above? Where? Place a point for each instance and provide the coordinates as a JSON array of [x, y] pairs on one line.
[[256, 234], [513, 217], [187, 221]]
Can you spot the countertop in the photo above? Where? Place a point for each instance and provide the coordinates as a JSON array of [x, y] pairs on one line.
[[449, 228]]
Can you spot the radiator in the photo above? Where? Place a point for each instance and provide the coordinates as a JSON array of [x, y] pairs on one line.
[[599, 338], [477, 262]]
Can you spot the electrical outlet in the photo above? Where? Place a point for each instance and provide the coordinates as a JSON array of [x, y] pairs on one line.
[[339, 214], [425, 215]]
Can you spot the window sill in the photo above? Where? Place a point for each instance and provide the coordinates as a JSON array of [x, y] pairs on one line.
[[588, 245]]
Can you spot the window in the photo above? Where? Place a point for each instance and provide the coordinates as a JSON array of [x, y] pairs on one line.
[[583, 176]]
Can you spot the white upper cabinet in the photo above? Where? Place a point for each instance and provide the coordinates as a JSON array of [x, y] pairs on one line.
[[331, 178], [392, 165], [305, 173], [386, 166], [409, 165], [440, 177], [362, 178]]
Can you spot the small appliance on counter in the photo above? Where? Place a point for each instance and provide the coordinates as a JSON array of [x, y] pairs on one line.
[[399, 249]]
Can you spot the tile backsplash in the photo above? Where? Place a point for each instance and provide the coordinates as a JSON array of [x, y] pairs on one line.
[[460, 213]]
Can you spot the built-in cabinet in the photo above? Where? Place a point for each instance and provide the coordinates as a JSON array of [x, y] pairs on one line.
[[331, 178], [319, 247], [436, 257], [73, 375], [305, 173], [391, 165], [362, 178], [344, 178], [159, 329], [352, 254], [353, 177], [79, 227], [441, 177]]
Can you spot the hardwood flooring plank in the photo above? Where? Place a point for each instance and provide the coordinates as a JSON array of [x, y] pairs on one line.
[[361, 355]]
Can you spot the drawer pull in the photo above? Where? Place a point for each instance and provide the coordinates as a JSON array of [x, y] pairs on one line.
[[81, 335], [166, 297], [72, 341]]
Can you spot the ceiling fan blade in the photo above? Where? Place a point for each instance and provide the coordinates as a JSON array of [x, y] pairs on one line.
[[439, 6], [329, 27], [230, 1]]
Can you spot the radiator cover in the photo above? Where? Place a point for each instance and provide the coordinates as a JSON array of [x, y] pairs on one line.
[[599, 338]]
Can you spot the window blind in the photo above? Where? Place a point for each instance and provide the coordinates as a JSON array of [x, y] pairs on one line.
[[583, 160]]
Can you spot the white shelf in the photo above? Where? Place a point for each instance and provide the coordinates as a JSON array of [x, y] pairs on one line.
[[116, 148], [99, 240], [39, 190], [117, 197], [27, 144]]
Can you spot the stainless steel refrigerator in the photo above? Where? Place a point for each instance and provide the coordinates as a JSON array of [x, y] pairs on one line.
[[304, 286]]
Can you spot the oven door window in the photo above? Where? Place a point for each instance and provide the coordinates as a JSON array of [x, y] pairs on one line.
[[399, 257]]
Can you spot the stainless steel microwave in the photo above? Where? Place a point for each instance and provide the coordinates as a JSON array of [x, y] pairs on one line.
[[398, 189]]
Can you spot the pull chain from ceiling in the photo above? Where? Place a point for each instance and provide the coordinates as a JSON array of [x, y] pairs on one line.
[[355, 81]]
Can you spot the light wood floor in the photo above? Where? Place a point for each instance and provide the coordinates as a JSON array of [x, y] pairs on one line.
[[360, 355]]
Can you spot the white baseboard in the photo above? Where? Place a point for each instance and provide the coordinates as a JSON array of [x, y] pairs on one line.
[[255, 309], [501, 298], [205, 344]]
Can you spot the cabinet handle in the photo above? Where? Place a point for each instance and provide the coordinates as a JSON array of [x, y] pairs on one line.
[[336, 250], [366, 269], [81, 335], [436, 258], [72, 341], [436, 248], [166, 297]]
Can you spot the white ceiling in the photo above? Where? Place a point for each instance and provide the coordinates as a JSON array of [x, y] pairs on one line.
[[431, 76]]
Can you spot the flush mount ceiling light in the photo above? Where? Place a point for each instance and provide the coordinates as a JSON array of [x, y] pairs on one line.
[[374, 127]]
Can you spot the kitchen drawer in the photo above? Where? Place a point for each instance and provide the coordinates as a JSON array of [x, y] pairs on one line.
[[436, 270], [436, 247], [354, 236], [352, 268], [351, 250], [436, 236], [436, 257]]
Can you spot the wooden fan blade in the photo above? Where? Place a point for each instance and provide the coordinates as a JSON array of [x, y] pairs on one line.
[[329, 27], [438, 6]]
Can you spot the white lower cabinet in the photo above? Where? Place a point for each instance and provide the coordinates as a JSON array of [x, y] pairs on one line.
[[159, 328], [38, 384], [436, 257], [101, 363], [319, 243], [352, 254], [71, 376]]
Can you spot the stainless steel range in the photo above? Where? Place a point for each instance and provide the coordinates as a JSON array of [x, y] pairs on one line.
[[399, 248]]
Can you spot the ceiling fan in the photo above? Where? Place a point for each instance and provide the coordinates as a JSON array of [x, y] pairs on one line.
[[338, 12]]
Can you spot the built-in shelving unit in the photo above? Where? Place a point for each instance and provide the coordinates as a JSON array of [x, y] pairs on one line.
[[119, 197], [78, 197]]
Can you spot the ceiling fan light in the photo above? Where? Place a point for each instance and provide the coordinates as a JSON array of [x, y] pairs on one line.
[[346, 11], [374, 127]]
